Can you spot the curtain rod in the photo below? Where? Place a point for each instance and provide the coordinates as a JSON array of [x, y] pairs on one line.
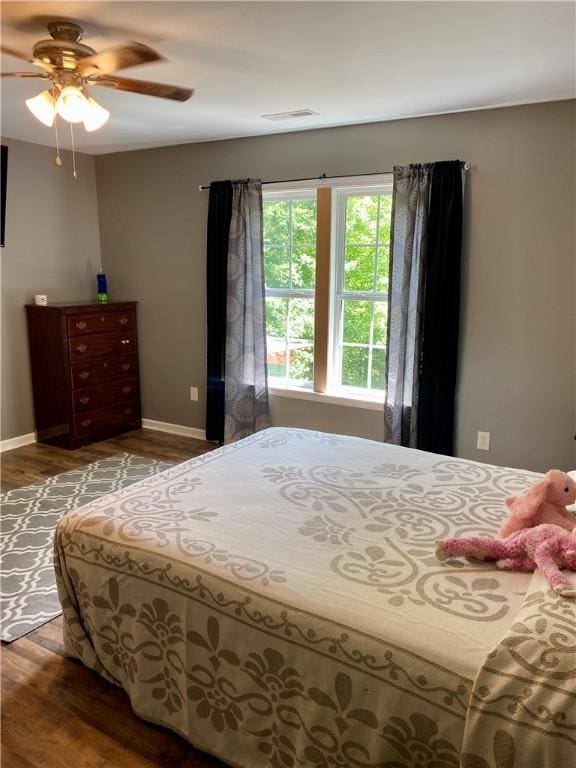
[[202, 187]]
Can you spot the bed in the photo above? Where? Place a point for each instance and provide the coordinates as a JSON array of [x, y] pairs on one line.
[[277, 602]]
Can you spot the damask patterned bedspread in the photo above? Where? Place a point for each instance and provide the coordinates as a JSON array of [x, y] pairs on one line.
[[277, 602]]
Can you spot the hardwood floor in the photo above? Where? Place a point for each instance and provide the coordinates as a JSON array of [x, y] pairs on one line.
[[27, 465], [56, 713]]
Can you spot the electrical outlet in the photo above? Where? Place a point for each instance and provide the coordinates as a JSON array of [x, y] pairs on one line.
[[483, 441], [194, 393]]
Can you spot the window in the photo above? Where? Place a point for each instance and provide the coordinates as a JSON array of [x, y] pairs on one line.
[[326, 312], [290, 275], [361, 289]]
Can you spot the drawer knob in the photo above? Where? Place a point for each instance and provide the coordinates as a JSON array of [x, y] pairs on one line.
[[84, 374], [84, 399], [128, 411], [126, 389], [123, 320], [80, 347], [86, 422], [102, 319], [125, 366], [81, 324], [125, 341]]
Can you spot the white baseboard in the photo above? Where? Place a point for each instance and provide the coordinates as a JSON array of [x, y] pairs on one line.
[[174, 429], [17, 442], [159, 426]]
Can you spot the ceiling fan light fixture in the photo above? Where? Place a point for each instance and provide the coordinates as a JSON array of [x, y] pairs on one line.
[[43, 107], [95, 116], [71, 67], [72, 105]]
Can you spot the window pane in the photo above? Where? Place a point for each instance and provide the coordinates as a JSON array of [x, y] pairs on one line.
[[363, 343], [359, 268], [303, 267], [301, 322], [276, 215], [302, 364], [383, 269], [361, 218], [385, 219], [380, 322], [304, 222], [301, 340], [290, 263], [277, 370], [357, 321], [276, 267], [354, 367], [378, 369], [276, 327]]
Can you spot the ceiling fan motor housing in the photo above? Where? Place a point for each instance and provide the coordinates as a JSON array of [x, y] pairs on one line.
[[65, 48]]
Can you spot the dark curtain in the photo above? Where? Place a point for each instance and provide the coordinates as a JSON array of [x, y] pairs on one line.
[[440, 321], [424, 306], [219, 217]]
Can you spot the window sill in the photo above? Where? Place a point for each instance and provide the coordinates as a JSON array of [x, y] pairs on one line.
[[349, 400]]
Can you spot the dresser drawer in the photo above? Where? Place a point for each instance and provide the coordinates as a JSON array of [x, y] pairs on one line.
[[104, 394], [92, 422], [99, 371], [101, 345], [99, 323]]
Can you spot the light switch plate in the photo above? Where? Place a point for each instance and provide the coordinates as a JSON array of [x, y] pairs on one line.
[[194, 393], [483, 441]]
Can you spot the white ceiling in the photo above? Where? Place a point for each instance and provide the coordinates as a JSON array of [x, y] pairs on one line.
[[352, 62]]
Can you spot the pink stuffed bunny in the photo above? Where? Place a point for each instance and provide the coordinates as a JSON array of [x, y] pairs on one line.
[[546, 547], [545, 502]]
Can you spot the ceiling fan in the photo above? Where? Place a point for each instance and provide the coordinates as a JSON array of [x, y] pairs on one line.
[[71, 67]]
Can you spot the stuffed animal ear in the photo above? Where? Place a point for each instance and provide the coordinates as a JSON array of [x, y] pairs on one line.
[[527, 505]]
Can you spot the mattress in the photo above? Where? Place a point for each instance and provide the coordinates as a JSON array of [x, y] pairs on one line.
[[277, 602]]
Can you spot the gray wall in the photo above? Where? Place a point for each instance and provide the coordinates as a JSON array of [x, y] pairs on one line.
[[517, 362], [517, 370], [52, 247]]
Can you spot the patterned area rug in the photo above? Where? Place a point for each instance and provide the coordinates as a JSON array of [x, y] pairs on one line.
[[28, 596]]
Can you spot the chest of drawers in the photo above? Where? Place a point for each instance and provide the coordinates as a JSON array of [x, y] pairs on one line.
[[84, 362]]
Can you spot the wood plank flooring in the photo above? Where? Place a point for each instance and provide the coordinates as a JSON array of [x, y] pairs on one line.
[[27, 465], [56, 713]]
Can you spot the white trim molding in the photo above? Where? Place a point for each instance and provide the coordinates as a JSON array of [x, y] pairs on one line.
[[17, 442], [281, 188], [174, 429], [349, 400]]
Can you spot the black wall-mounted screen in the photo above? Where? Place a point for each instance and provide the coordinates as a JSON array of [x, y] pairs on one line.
[[4, 175]]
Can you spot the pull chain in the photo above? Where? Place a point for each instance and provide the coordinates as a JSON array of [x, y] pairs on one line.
[[58, 158], [73, 152]]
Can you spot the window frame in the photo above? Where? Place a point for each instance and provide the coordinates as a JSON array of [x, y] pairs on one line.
[[339, 188], [338, 294]]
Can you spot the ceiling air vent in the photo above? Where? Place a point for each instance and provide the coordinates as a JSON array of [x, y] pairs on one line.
[[276, 116]]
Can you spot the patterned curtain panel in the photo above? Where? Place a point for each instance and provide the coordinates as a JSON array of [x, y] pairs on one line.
[[424, 306], [410, 206], [246, 408]]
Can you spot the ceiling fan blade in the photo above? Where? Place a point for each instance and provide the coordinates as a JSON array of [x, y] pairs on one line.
[[117, 58], [23, 57], [24, 74], [16, 54], [144, 87]]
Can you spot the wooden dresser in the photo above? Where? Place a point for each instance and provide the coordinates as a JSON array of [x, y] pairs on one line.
[[84, 360]]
